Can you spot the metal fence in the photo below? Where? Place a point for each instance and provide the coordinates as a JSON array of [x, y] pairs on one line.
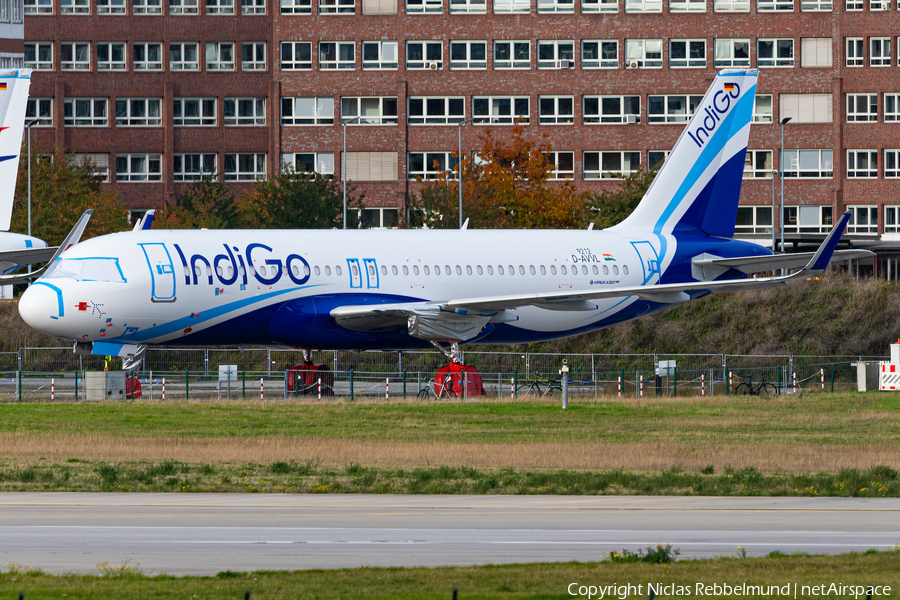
[[42, 374]]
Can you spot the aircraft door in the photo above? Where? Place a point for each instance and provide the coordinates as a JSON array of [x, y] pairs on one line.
[[355, 276], [649, 262], [162, 272], [371, 273]]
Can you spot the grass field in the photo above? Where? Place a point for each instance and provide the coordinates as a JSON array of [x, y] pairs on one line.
[[519, 582]]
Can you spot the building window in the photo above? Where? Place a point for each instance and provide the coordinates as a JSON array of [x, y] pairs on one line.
[[247, 166], [855, 48], [891, 108], [556, 110], [424, 6], [499, 110], [594, 6], [643, 6], [562, 163], [556, 6], [37, 7], [891, 221], [805, 108], [147, 56], [146, 7], [75, 56], [296, 7], [775, 53], [307, 111], [372, 218], [807, 219], [687, 53], [74, 7], [762, 108], [111, 56], [320, 163], [194, 112], [758, 163], [220, 56], [643, 54], [39, 56], [891, 163], [600, 54], [430, 165], [731, 6], [816, 5], [880, 52], [671, 109], [687, 5], [611, 165], [655, 158], [731, 52], [184, 7], [245, 111], [40, 109], [110, 7], [554, 54], [220, 7], [862, 164], [194, 167], [296, 56], [424, 55], [468, 6], [753, 219], [337, 55], [380, 55], [863, 219], [879, 5], [853, 5], [138, 167], [253, 56], [512, 55], [807, 163], [439, 110], [98, 164], [468, 55], [85, 112], [337, 7], [372, 111], [512, 6], [611, 109], [774, 5], [862, 108], [138, 112], [184, 56], [253, 7], [815, 52]]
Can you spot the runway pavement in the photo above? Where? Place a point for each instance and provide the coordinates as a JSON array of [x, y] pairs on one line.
[[208, 533]]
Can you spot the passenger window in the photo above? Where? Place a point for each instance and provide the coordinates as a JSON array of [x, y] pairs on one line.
[[230, 271], [383, 270], [543, 270], [499, 269], [625, 269], [479, 269], [594, 268], [615, 270], [532, 270], [328, 271], [219, 271], [427, 270], [468, 269], [553, 269], [305, 271], [317, 271], [296, 271], [241, 271], [458, 270], [584, 269], [371, 271], [197, 270], [262, 271], [605, 270], [187, 272], [512, 270], [337, 270], [522, 270], [352, 268], [437, 269], [447, 269], [405, 270], [394, 269], [563, 270], [416, 269], [490, 270]]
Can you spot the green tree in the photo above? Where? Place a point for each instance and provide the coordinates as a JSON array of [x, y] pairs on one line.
[[610, 207], [206, 203], [61, 191]]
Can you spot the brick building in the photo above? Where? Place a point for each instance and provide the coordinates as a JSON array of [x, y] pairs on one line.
[[158, 91], [12, 34]]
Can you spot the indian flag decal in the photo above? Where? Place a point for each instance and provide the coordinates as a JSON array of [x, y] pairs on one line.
[[729, 87], [609, 257]]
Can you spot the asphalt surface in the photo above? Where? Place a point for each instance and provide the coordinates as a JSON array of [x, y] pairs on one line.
[[208, 533]]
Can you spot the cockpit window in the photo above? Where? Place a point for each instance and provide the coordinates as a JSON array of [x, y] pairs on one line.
[[86, 269]]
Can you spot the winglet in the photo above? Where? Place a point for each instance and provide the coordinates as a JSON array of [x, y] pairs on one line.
[[820, 260], [73, 238], [147, 221]]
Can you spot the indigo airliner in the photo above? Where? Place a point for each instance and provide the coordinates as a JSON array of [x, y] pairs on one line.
[[403, 289]]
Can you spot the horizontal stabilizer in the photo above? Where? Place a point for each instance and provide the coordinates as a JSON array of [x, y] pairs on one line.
[[26, 256]]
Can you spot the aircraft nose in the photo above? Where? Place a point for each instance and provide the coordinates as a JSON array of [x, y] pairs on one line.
[[40, 306]]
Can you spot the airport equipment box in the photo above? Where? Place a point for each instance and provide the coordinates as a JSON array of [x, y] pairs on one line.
[[104, 385]]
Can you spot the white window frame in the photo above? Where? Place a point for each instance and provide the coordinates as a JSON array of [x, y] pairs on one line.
[[670, 102], [141, 53], [219, 7], [643, 6], [728, 59], [880, 51], [429, 172], [820, 218], [179, 49], [256, 61], [625, 159], [383, 61], [140, 167], [496, 104], [375, 110], [236, 164], [678, 6], [305, 65], [867, 211], [816, 5], [146, 7], [323, 163], [815, 53], [862, 108], [219, 56], [339, 62], [731, 6], [556, 110], [556, 6], [80, 53], [38, 7], [470, 61], [752, 167], [563, 54], [891, 107], [424, 6], [111, 7], [236, 113], [637, 55], [435, 110], [337, 7], [688, 62], [97, 109], [599, 6], [203, 112], [511, 6], [759, 221], [40, 109], [563, 162], [862, 164], [513, 62], [184, 7], [774, 5], [891, 217], [307, 111], [295, 7], [776, 61], [426, 48], [601, 48], [99, 168], [74, 7], [37, 49], [854, 49], [760, 114], [206, 161], [891, 163], [854, 5], [605, 113], [661, 156], [790, 162], [381, 221], [879, 5], [253, 7], [138, 112], [468, 7], [111, 49]]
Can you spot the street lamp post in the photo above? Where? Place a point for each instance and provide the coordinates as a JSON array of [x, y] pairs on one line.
[[344, 165], [781, 176], [773, 173], [459, 167], [28, 126]]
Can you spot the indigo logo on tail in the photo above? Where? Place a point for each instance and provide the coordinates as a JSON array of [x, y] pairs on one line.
[[721, 104]]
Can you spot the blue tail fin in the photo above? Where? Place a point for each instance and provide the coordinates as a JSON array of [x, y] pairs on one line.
[[13, 100]]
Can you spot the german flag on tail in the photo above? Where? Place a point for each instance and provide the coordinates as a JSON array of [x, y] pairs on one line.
[[2, 87], [729, 87]]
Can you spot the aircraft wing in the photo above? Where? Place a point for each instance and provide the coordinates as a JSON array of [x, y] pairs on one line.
[[27, 256], [73, 238]]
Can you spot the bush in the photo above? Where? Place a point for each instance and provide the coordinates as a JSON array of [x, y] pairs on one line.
[[659, 555]]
